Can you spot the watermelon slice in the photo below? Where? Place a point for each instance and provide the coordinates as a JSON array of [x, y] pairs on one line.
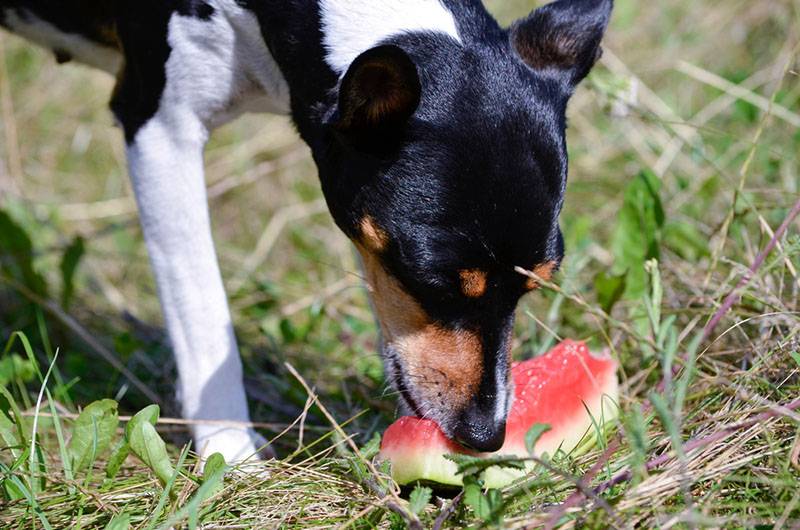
[[568, 388]]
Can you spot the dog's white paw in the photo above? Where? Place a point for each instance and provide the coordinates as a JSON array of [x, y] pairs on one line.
[[235, 445]]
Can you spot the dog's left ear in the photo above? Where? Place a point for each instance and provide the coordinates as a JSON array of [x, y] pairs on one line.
[[563, 38], [379, 93]]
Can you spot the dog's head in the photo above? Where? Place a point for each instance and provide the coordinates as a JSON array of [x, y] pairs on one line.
[[446, 165]]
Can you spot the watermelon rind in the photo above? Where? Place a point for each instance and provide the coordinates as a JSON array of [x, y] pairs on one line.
[[587, 427]]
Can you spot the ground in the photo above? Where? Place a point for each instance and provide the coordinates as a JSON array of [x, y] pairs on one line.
[[684, 167]]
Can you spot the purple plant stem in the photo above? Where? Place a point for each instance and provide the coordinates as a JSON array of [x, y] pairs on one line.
[[577, 496], [733, 297], [696, 443]]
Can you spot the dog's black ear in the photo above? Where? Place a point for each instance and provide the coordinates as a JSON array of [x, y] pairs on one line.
[[379, 93], [563, 38]]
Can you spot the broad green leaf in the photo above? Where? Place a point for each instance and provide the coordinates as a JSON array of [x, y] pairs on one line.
[[92, 433], [610, 289], [8, 435], [15, 368], [685, 240], [494, 499], [213, 464], [372, 447], [12, 490], [533, 435], [169, 493], [212, 482], [118, 456], [419, 499], [150, 414], [16, 255], [17, 419], [214, 471], [288, 331], [69, 264], [796, 356], [638, 232], [475, 499], [146, 444], [119, 522]]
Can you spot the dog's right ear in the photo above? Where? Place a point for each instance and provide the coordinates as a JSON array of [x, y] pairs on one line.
[[378, 95], [563, 38]]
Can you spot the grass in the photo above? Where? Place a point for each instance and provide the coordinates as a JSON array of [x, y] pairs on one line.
[[684, 165]]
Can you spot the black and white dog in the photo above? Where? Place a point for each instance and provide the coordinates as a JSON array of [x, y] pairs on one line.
[[439, 139]]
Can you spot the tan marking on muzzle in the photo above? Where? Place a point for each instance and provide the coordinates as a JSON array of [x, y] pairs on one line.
[[543, 271], [373, 236], [473, 282], [442, 366]]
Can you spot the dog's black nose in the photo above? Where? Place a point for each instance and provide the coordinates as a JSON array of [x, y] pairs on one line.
[[480, 430]]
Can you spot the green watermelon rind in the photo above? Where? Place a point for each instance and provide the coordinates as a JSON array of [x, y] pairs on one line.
[[435, 468]]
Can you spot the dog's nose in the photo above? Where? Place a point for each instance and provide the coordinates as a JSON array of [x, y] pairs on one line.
[[480, 430]]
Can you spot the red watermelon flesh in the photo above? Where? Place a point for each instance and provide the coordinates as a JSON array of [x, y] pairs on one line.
[[566, 388]]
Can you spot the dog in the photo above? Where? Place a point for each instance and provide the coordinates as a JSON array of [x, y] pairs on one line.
[[439, 139]]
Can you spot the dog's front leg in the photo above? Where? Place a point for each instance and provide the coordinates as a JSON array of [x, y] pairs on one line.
[[166, 165]]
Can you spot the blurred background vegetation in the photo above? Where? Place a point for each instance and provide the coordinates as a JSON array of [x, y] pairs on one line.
[[684, 147]]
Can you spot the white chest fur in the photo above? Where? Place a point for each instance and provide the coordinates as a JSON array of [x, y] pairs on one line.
[[351, 27]]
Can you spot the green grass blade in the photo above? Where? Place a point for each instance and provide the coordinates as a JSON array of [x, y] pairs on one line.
[[167, 492]]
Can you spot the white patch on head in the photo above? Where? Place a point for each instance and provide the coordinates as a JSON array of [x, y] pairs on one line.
[[49, 36], [352, 27]]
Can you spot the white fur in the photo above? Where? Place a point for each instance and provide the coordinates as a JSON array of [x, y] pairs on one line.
[[352, 27], [502, 402], [49, 36], [209, 72], [218, 66]]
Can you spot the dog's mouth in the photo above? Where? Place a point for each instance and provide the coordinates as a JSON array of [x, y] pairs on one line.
[[407, 401]]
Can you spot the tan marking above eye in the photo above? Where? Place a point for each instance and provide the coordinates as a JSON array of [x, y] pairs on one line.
[[442, 365], [374, 237], [473, 282], [543, 271]]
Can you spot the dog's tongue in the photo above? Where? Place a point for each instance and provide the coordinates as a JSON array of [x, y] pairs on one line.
[[568, 389]]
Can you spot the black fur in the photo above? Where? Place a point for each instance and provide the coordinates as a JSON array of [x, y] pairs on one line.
[[88, 18], [475, 179], [142, 28], [563, 38], [139, 27], [467, 172]]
